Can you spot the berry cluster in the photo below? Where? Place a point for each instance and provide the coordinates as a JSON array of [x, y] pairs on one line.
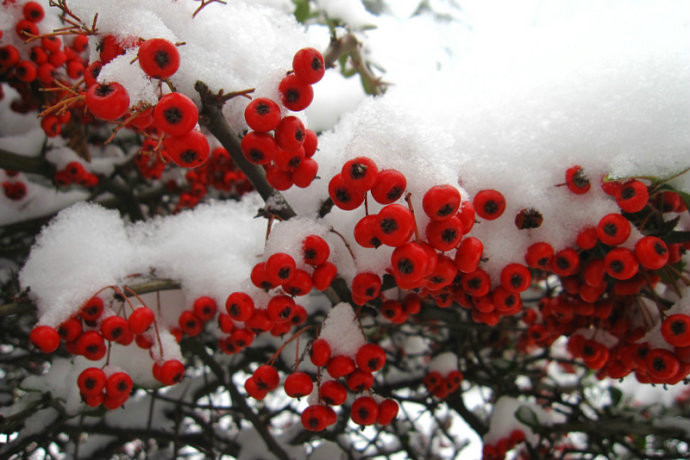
[[13, 187], [499, 449], [75, 173], [287, 153]]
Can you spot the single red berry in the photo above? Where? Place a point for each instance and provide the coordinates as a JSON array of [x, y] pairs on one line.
[[443, 275], [676, 330], [469, 254], [205, 308], [324, 275], [26, 29], [320, 352], [80, 43], [651, 252], [333, 393], [613, 229], [395, 225], [290, 133], [107, 101], [280, 307], [632, 196], [476, 283], [169, 372], [260, 321], [46, 338], [370, 357], [305, 173], [144, 341], [158, 58], [70, 329], [393, 311], [300, 284], [409, 262], [33, 11], [176, 114], [621, 263], [92, 309], [298, 384], [258, 148], [587, 238], [593, 273], [515, 277], [315, 250], [315, 417], [242, 338], [466, 215], [140, 319], [91, 345], [311, 142], [366, 286], [388, 410], [225, 323], [295, 94], [565, 262], [91, 381], [454, 379], [340, 366], [539, 255], [489, 204], [446, 234], [26, 71], [662, 364], [288, 160], [114, 328], [365, 231], [266, 377], [389, 186], [253, 389], [441, 202], [190, 323], [92, 72], [412, 304], [576, 180], [262, 114], [308, 65], [52, 44], [364, 410], [280, 267], [259, 277], [299, 315], [278, 178], [118, 384], [360, 173], [190, 150], [9, 56], [506, 302], [344, 196], [432, 380], [359, 380]]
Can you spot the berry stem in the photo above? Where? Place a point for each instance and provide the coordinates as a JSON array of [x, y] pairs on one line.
[[347, 245], [408, 199], [280, 349]]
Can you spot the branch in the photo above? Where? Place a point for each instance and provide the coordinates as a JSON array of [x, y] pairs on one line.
[[25, 164]]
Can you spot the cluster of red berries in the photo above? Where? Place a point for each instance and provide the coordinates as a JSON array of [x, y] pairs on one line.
[[75, 173], [602, 279], [441, 385], [92, 330], [287, 153], [13, 188], [499, 449]]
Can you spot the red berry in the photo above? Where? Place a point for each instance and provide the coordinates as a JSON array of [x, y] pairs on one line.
[[308, 65], [280, 267], [333, 393], [26, 71], [320, 352], [33, 11], [632, 196], [539, 255], [70, 329], [258, 148], [280, 307], [651, 252], [515, 277], [359, 380], [324, 275], [259, 278], [242, 337], [262, 114], [389, 186], [576, 180], [315, 418], [315, 250], [365, 231], [395, 225], [393, 311], [412, 304], [205, 308], [288, 160], [444, 235], [118, 385], [299, 285], [365, 286], [370, 357], [613, 229], [175, 114], [107, 101], [661, 364], [466, 215], [565, 262], [298, 384], [260, 321], [409, 262], [189, 150], [587, 238], [158, 58], [295, 94], [266, 377], [489, 204], [91, 345], [441, 202], [91, 381], [469, 254], [388, 410], [340, 366], [190, 323], [311, 142], [344, 196], [140, 319], [359, 174], [621, 263], [305, 173], [46, 338], [253, 390], [476, 283], [290, 133], [506, 302], [676, 330], [364, 410], [278, 178], [25, 29], [114, 328], [169, 372]]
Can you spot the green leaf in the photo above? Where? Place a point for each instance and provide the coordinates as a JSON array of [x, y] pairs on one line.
[[616, 395], [526, 415], [301, 10]]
